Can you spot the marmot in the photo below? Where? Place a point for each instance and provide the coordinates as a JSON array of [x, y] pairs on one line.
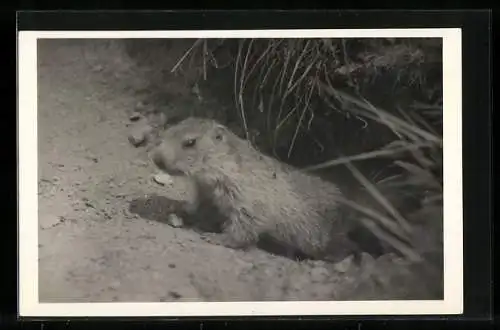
[[257, 194]]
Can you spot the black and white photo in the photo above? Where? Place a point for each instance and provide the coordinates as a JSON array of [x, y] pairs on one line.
[[219, 173]]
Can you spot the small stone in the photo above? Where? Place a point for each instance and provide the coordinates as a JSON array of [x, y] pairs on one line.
[[141, 163], [174, 220], [140, 133], [140, 106], [135, 116], [114, 285], [319, 274], [162, 179], [136, 138], [97, 68], [344, 265]]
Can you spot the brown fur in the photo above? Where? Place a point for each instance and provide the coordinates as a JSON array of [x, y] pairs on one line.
[[256, 193]]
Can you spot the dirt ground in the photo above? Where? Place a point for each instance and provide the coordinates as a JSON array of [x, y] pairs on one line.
[[102, 230]]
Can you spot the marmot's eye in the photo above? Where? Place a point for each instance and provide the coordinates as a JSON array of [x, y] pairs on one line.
[[189, 143], [218, 137]]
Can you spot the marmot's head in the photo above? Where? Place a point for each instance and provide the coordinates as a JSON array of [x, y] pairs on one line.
[[192, 146]]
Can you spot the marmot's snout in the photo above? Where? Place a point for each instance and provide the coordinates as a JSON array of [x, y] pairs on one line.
[[160, 157], [157, 159], [163, 157]]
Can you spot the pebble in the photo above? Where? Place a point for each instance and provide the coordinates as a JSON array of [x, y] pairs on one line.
[[319, 274], [97, 68], [141, 163], [174, 220], [114, 285], [136, 138], [140, 106], [162, 179], [135, 116], [344, 265], [139, 134]]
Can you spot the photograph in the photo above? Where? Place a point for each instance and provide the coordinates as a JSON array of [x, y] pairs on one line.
[[240, 172]]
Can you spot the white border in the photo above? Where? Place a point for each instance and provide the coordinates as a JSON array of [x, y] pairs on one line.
[[28, 199]]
